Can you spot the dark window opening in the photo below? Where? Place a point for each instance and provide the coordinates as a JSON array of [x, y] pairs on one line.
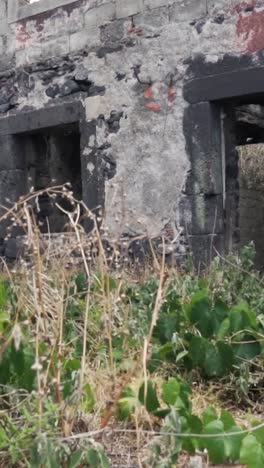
[[53, 159], [249, 141]]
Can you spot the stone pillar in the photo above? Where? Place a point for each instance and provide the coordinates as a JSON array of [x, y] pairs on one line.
[[13, 176], [232, 232], [92, 175], [203, 198]]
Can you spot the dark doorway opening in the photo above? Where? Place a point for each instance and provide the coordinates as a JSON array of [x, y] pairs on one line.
[[250, 147], [224, 130], [243, 174], [52, 158]]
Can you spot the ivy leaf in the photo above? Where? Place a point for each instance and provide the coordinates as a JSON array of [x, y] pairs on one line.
[[72, 364], [75, 459], [80, 281], [170, 391], [258, 433], [22, 361], [96, 457], [195, 426], [149, 400], [223, 329], [127, 404], [169, 318], [209, 415], [251, 453], [219, 313], [233, 443], [176, 393], [213, 362], [200, 313], [166, 352], [227, 420], [226, 355], [43, 453], [241, 318], [247, 350], [215, 445], [218, 359], [197, 350], [92, 457]]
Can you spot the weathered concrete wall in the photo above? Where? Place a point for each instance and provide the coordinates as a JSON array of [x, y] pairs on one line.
[[125, 60]]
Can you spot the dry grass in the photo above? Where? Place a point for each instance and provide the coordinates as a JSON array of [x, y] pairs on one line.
[[42, 280]]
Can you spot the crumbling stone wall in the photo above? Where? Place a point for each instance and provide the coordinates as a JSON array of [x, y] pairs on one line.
[[125, 62]]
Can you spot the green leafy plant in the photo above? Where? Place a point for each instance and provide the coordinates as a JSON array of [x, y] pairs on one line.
[[218, 434], [72, 339]]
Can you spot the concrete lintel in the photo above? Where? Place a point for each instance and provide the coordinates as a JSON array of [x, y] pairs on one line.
[[54, 116], [229, 85], [17, 12]]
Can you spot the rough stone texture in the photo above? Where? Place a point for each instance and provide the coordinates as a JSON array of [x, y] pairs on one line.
[[3, 10], [126, 63], [125, 8], [187, 11]]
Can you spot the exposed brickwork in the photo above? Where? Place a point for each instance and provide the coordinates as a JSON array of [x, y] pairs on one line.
[[250, 30]]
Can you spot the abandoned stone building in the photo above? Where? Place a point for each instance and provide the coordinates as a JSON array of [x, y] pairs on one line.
[[142, 105]]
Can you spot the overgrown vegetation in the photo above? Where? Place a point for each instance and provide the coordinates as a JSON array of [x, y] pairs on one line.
[[100, 350]]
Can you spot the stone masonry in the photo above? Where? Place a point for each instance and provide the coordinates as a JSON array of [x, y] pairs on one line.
[[146, 81]]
